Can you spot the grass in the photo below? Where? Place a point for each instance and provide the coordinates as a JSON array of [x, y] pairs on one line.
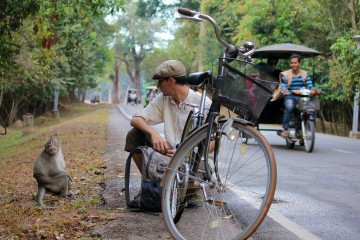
[[82, 131]]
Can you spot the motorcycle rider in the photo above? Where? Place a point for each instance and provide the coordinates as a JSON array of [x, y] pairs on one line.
[[293, 79], [133, 97]]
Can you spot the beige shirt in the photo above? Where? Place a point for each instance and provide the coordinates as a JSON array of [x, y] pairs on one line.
[[163, 109]]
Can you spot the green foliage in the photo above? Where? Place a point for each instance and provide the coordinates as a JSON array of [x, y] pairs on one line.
[[148, 9], [13, 14], [273, 21], [138, 32], [345, 70], [325, 25], [48, 44]]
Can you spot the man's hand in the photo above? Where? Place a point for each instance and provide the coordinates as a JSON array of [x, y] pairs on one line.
[[159, 144], [286, 91], [170, 153]]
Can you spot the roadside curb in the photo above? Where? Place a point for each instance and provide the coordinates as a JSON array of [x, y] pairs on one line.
[[127, 116]]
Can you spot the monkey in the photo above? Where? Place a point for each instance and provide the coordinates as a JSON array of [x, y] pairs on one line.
[[49, 172]]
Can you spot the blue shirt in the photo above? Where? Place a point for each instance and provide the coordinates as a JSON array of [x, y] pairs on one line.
[[297, 83]]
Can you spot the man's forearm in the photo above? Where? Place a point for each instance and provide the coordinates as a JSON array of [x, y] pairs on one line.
[[158, 143], [139, 123]]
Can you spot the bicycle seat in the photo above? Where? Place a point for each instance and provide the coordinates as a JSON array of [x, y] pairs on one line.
[[199, 77]]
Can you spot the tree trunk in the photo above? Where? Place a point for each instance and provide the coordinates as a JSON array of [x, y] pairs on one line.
[[83, 95], [351, 6], [137, 76], [349, 116], [331, 123], [14, 110], [115, 97], [72, 95], [322, 121], [2, 122], [1, 97], [135, 72], [333, 120]]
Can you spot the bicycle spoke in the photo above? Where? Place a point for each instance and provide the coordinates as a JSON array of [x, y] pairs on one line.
[[231, 205]]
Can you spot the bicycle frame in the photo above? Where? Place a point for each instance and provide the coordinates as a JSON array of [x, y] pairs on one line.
[[237, 168], [214, 112]]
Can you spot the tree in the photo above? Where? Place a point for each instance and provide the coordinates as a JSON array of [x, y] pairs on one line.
[[49, 43], [13, 15], [136, 37], [326, 25]]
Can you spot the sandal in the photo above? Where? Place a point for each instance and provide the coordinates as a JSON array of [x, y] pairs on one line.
[[285, 133]]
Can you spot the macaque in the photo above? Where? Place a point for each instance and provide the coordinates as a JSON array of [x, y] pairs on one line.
[[49, 172]]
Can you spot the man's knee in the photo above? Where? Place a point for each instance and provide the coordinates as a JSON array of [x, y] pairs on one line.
[[288, 102], [135, 138]]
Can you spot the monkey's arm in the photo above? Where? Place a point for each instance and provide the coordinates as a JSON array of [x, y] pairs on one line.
[[63, 173], [42, 179]]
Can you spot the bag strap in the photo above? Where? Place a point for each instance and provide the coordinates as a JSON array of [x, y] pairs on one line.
[[128, 170], [148, 164]]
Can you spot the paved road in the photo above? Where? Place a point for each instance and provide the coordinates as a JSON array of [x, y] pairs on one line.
[[318, 193]]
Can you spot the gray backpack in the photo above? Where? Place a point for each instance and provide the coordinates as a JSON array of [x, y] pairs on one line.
[[153, 168]]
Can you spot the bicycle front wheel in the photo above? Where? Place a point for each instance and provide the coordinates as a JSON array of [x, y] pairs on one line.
[[236, 199]]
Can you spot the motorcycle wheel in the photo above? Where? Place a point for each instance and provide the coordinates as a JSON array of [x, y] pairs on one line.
[[309, 135]]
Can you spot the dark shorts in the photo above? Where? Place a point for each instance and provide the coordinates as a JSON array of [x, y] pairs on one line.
[[136, 138]]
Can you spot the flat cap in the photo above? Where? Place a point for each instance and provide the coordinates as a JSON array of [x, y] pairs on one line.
[[170, 68]]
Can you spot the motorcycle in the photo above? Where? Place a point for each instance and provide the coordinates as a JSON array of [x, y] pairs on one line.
[[303, 121]]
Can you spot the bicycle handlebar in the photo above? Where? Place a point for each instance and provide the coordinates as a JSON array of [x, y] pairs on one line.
[[230, 48], [308, 92]]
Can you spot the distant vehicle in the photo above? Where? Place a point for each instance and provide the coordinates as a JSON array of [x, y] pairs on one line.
[[95, 99], [151, 93], [302, 124], [131, 96]]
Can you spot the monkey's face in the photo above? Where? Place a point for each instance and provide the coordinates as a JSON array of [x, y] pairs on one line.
[[51, 147]]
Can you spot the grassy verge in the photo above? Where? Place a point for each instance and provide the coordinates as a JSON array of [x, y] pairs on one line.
[[82, 131]]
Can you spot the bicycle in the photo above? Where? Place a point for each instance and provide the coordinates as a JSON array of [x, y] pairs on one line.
[[227, 160]]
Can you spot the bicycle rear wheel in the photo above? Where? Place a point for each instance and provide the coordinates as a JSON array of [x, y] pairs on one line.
[[230, 206]]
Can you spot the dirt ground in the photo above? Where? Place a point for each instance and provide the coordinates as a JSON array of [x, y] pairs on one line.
[[92, 139], [125, 224]]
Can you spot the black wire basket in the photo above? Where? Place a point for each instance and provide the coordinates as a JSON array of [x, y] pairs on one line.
[[312, 104], [245, 88]]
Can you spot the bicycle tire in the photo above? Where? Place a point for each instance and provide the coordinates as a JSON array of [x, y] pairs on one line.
[[188, 127], [309, 135], [233, 210]]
